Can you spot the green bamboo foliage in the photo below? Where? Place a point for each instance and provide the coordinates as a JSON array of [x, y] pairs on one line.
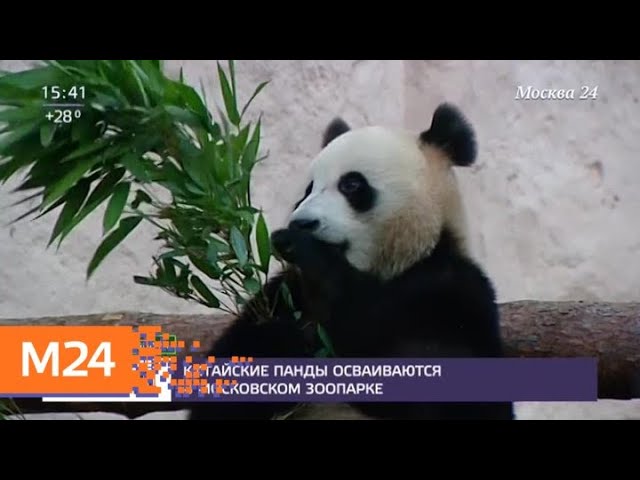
[[148, 149], [138, 136]]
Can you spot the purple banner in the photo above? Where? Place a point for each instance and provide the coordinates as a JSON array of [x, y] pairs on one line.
[[241, 379]]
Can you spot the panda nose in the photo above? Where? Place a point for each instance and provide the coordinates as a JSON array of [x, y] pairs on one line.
[[304, 224]]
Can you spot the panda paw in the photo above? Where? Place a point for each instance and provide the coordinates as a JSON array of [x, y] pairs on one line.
[[316, 258], [283, 242]]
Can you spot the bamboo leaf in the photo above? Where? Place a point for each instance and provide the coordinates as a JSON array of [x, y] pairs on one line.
[[84, 131], [21, 115], [193, 101], [253, 96], [159, 132], [184, 116], [116, 205], [212, 253], [240, 141], [209, 269], [203, 93], [53, 206], [238, 245], [141, 197], [251, 152], [73, 202], [322, 353], [137, 166], [76, 173], [206, 294], [47, 130], [228, 97], [232, 76], [111, 242], [99, 195], [16, 135], [138, 75], [169, 270], [145, 280], [93, 147], [324, 337], [263, 243], [251, 285], [32, 79]]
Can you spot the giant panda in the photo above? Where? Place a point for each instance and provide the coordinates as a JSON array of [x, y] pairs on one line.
[[376, 252]]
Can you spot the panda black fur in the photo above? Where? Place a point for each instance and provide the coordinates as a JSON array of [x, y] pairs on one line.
[[376, 253]]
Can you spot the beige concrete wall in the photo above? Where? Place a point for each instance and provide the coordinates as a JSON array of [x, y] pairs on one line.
[[553, 198], [552, 201]]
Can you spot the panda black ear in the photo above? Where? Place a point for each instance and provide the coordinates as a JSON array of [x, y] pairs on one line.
[[336, 128], [451, 132]]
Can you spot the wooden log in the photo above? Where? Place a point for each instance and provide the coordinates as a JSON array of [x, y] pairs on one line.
[[608, 331]]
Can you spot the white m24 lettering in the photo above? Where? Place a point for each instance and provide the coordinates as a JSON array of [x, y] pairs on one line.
[[52, 355]]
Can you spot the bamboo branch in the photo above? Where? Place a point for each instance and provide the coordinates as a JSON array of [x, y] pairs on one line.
[[608, 331]]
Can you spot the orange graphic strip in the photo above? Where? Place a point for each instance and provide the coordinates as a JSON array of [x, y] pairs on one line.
[[54, 360]]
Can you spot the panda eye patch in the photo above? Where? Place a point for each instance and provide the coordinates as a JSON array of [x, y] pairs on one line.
[[351, 183], [358, 192]]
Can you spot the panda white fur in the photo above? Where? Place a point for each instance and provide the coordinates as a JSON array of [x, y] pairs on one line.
[[377, 254]]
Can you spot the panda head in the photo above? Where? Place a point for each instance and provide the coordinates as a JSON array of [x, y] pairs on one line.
[[387, 195]]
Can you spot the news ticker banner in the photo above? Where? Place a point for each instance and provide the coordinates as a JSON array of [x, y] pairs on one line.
[[132, 364]]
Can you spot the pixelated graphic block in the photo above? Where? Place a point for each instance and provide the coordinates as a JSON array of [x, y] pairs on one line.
[[158, 351]]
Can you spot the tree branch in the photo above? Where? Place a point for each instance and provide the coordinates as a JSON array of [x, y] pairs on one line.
[[609, 331]]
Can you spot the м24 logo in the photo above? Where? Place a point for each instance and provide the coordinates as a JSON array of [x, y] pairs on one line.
[[100, 359]]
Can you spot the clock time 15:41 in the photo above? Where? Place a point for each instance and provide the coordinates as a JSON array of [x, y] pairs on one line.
[[56, 92]]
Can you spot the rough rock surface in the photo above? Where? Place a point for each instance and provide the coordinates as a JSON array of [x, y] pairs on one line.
[[553, 199]]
